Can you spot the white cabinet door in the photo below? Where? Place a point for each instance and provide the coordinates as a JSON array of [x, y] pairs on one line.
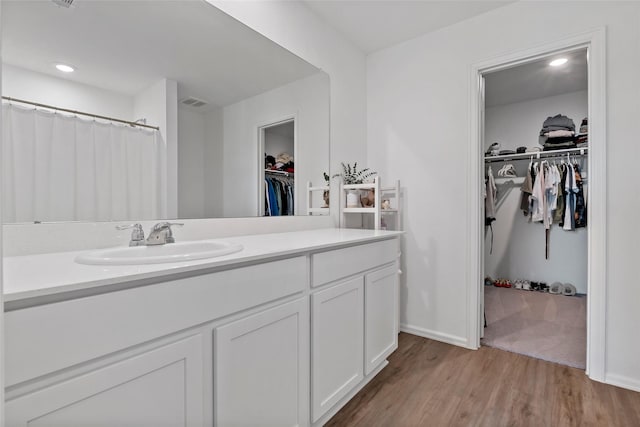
[[337, 343], [261, 371], [380, 316], [161, 387]]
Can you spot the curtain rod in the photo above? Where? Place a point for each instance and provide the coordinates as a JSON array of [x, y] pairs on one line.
[[580, 151], [51, 107]]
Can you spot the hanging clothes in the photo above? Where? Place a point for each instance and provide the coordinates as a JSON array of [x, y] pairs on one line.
[[491, 194], [527, 190], [570, 203], [538, 200], [580, 214], [554, 194], [490, 197], [279, 195], [551, 193], [558, 215]]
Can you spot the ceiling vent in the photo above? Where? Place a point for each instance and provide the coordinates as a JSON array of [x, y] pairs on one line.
[[194, 102], [63, 3]]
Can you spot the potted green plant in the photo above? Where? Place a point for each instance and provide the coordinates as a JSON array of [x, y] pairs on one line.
[[351, 175]]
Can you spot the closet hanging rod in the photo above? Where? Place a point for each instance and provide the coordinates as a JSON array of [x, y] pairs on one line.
[[278, 172], [583, 151], [95, 116]]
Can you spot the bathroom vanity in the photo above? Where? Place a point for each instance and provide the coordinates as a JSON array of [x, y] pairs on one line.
[[282, 333]]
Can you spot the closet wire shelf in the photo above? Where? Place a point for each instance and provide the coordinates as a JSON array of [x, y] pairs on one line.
[[537, 155]]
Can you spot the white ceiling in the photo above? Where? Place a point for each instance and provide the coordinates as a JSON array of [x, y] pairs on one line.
[[536, 80], [125, 46], [376, 24]]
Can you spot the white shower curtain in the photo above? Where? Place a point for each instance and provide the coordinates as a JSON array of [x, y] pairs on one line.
[[63, 168]]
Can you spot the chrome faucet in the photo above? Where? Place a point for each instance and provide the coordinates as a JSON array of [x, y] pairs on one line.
[[137, 234], [161, 233]]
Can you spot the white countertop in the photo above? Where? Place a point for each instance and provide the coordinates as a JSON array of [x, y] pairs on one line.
[[46, 275]]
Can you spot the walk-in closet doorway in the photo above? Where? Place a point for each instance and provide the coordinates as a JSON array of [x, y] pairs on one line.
[[277, 148], [594, 44]]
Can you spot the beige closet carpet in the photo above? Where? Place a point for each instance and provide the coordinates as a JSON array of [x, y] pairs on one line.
[[537, 324]]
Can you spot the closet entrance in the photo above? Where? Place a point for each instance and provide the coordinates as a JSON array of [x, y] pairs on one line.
[[277, 168], [594, 43], [536, 169]]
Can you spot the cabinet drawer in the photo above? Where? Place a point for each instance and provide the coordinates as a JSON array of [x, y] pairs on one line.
[[333, 265], [75, 331]]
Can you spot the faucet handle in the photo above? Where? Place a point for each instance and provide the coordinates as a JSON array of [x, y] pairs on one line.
[[137, 235], [161, 233], [166, 225]]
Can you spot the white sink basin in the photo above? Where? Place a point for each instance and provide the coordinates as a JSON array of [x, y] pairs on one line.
[[171, 252]]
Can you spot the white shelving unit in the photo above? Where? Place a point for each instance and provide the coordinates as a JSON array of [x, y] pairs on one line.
[[315, 210], [391, 193]]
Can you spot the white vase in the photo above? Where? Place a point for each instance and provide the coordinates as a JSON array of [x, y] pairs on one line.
[[353, 199]]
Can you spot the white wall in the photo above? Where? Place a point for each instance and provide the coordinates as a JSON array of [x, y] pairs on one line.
[[191, 152], [307, 100], [518, 245], [296, 28], [214, 163], [275, 143], [159, 105], [45, 89], [2, 254], [418, 130], [519, 124]]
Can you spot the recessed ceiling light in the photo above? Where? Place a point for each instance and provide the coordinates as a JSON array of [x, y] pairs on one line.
[[558, 62], [65, 68]]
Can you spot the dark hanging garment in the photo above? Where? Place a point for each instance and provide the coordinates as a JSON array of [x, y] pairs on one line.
[[581, 206], [284, 208], [273, 202], [558, 215]]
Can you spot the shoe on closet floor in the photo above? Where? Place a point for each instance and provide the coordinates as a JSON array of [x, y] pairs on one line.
[[569, 290], [526, 285], [556, 288]]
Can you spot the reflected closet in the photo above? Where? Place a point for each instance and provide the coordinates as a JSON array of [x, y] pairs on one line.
[[278, 177]]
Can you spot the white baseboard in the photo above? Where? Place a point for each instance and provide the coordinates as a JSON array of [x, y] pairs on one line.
[[438, 336], [622, 381]]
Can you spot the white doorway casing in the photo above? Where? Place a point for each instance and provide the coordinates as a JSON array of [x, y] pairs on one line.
[[594, 41], [293, 117]]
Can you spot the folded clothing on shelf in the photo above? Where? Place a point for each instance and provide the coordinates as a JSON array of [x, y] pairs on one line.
[[557, 122], [557, 133]]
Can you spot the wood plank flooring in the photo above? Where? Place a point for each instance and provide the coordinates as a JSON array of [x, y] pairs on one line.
[[429, 383]]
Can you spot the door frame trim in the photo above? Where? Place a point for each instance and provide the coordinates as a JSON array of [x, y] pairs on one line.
[[262, 127], [595, 41]]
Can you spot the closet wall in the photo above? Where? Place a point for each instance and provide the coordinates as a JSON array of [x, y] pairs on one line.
[[277, 140], [306, 98], [518, 245]]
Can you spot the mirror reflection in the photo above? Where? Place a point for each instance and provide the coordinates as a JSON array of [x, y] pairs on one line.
[[144, 110]]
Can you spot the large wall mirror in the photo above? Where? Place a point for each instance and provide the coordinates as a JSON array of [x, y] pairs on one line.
[[242, 124]]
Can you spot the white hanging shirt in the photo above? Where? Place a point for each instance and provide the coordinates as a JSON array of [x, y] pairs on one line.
[[538, 195]]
